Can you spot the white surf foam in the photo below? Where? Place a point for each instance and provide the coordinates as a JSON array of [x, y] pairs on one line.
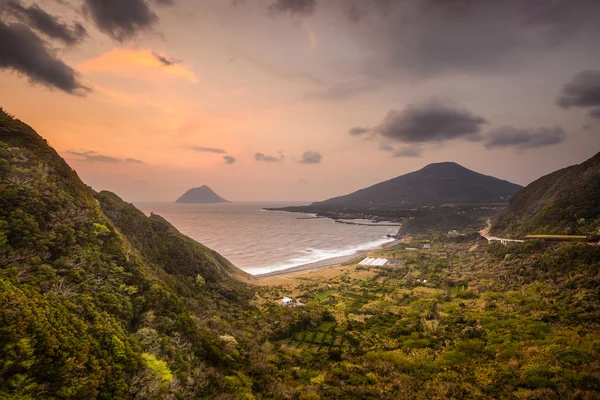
[[315, 255]]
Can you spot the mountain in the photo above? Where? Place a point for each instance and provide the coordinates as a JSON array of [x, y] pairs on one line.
[[201, 195], [566, 201], [96, 299], [439, 183]]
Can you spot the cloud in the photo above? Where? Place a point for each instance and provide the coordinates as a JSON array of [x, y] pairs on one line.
[[21, 50], [529, 138], [209, 149], [383, 146], [410, 151], [430, 122], [121, 19], [358, 131], [166, 60], [583, 91], [229, 159], [265, 158], [432, 37], [293, 6], [311, 157], [137, 64], [49, 25], [92, 156]]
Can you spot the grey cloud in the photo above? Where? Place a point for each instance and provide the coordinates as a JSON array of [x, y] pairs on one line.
[[529, 138], [293, 6], [582, 91], [49, 25], [410, 151], [208, 149], [311, 157], [266, 158], [432, 37], [383, 146], [229, 159], [92, 156], [430, 122], [121, 19], [166, 60], [358, 131], [595, 113], [23, 51]]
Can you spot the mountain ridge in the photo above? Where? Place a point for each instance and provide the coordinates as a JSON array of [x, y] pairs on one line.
[[565, 201], [434, 184], [94, 295]]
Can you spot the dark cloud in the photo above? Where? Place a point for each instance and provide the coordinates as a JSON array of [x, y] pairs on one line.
[[121, 19], [166, 60], [583, 91], [293, 6], [209, 150], [432, 37], [229, 159], [410, 151], [311, 157], [92, 156], [430, 122], [49, 25], [358, 131], [509, 136], [595, 113], [266, 158], [25, 52], [383, 146]]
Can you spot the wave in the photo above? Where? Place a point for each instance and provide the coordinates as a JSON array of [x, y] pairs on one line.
[[315, 255]]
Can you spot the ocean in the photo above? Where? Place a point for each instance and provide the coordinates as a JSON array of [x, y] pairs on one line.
[[260, 241]]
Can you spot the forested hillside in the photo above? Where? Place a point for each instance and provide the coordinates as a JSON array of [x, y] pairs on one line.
[[564, 202], [94, 308]]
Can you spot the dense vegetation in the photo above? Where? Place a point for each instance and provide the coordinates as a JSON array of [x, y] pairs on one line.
[[98, 300], [462, 320], [564, 202]]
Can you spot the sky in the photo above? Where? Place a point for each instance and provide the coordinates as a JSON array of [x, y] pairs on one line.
[[301, 100]]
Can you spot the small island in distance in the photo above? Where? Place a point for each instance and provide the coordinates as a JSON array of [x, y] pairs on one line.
[[201, 195]]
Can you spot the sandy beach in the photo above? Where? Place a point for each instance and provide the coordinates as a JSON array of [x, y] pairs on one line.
[[326, 263]]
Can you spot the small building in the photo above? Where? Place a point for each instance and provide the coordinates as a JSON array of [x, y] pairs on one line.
[[286, 301]]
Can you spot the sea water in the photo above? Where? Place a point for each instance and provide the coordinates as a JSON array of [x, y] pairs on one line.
[[260, 241]]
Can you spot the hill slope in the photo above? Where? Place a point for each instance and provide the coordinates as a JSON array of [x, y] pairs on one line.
[[438, 183], [101, 302], [201, 195], [565, 201]]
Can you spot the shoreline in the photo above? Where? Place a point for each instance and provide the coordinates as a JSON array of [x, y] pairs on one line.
[[330, 262]]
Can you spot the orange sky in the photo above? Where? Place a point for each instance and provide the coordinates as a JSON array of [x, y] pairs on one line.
[[244, 81]]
